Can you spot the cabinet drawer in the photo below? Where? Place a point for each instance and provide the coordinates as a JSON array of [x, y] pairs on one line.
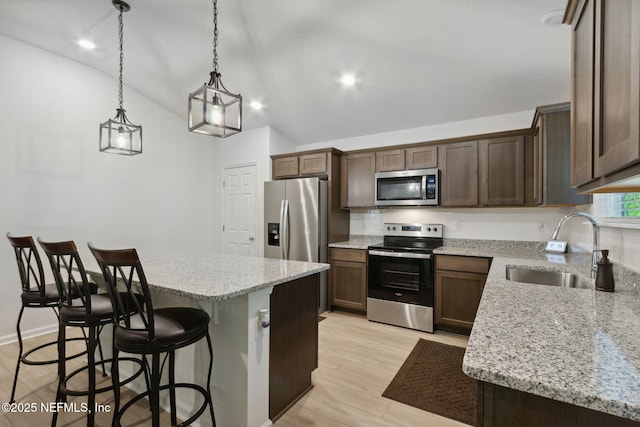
[[353, 255], [463, 263]]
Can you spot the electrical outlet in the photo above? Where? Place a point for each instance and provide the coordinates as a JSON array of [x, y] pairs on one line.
[[540, 226], [556, 246]]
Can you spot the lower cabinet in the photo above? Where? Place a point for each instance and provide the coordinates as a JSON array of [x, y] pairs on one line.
[[459, 282], [348, 279]]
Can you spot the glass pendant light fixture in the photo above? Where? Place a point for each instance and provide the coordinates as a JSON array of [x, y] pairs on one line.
[[213, 110], [119, 135]]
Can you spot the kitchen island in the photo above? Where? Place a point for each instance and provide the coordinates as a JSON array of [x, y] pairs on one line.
[[233, 290], [545, 355]]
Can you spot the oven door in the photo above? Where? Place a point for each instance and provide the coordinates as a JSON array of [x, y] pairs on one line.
[[401, 277]]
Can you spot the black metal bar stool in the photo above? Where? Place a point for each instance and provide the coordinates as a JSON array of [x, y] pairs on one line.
[[83, 308], [153, 332], [35, 294]]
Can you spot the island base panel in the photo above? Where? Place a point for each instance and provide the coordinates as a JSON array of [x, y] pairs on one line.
[[293, 351], [499, 406]]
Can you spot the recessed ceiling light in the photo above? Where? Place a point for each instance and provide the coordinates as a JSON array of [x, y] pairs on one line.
[[256, 105], [87, 44], [348, 80], [553, 18]]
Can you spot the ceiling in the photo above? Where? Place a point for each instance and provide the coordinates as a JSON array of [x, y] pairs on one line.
[[417, 62]]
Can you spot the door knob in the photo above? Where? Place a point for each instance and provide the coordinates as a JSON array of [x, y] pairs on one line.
[[252, 239]]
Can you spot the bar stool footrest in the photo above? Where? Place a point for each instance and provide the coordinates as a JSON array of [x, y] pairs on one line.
[[187, 422], [25, 356], [70, 392]]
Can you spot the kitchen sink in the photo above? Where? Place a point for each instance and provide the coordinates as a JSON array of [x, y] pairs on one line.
[[545, 277]]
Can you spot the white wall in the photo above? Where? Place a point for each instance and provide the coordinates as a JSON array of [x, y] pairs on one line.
[[519, 120], [55, 183]]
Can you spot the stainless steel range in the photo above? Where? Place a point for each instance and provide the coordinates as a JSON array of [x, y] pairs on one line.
[[400, 279]]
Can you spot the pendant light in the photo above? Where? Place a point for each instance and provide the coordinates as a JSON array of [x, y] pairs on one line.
[[213, 110], [119, 135]]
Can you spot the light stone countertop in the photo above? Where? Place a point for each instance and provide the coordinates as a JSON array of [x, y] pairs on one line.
[[215, 276], [579, 346], [357, 242]]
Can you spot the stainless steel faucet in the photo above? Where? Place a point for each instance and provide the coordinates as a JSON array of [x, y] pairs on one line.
[[596, 236]]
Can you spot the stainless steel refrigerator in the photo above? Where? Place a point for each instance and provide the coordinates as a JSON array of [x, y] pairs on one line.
[[295, 217]]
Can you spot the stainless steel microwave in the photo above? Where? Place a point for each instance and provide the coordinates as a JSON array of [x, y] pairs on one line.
[[407, 188]]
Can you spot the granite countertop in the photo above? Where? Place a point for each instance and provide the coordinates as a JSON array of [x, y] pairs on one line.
[[357, 242], [578, 346], [214, 277]]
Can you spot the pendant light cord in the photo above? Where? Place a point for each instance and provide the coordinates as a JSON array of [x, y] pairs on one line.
[[120, 35], [215, 35]]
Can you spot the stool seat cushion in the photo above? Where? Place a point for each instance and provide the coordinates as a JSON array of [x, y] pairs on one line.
[[173, 326], [100, 310], [33, 297]]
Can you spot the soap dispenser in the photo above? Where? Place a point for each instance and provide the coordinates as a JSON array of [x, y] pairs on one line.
[[604, 276]]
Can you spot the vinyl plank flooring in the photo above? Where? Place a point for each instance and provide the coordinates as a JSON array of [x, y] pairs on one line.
[[357, 360]]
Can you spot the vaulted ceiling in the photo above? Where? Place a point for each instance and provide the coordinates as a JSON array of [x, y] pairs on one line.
[[416, 62]]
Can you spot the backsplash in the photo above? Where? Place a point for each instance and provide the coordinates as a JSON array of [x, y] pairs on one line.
[[529, 224]]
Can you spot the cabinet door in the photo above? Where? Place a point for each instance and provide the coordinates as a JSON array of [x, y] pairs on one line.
[[349, 285], [457, 296], [389, 160], [618, 39], [358, 175], [502, 171], [313, 164], [422, 157], [458, 173], [537, 161], [582, 93], [285, 167]]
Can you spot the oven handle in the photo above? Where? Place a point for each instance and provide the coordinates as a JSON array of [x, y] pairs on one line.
[[399, 254]]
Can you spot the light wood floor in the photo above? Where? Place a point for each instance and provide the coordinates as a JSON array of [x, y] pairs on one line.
[[357, 360]]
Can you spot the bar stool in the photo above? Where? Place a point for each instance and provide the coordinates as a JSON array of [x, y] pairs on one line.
[[81, 308], [35, 294], [153, 332]]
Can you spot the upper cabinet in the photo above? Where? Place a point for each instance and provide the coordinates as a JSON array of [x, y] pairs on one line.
[[458, 173], [605, 91], [358, 179], [421, 157], [389, 160], [501, 174], [551, 155]]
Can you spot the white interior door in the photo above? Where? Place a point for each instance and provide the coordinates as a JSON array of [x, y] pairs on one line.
[[240, 211]]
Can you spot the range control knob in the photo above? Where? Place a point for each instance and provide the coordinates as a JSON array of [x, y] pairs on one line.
[[435, 229], [428, 228], [394, 229]]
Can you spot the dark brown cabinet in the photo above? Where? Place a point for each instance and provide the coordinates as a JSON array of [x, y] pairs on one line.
[[348, 278], [501, 178], [499, 406], [605, 92], [459, 282], [552, 137], [389, 160], [458, 164], [293, 338], [358, 174], [422, 157], [284, 167]]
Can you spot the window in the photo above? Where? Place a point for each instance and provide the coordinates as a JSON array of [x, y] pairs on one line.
[[618, 208]]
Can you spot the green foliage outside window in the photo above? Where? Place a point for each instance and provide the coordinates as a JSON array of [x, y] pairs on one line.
[[630, 205]]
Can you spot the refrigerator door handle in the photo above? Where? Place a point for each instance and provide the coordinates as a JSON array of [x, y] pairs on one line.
[[285, 229], [282, 230]]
